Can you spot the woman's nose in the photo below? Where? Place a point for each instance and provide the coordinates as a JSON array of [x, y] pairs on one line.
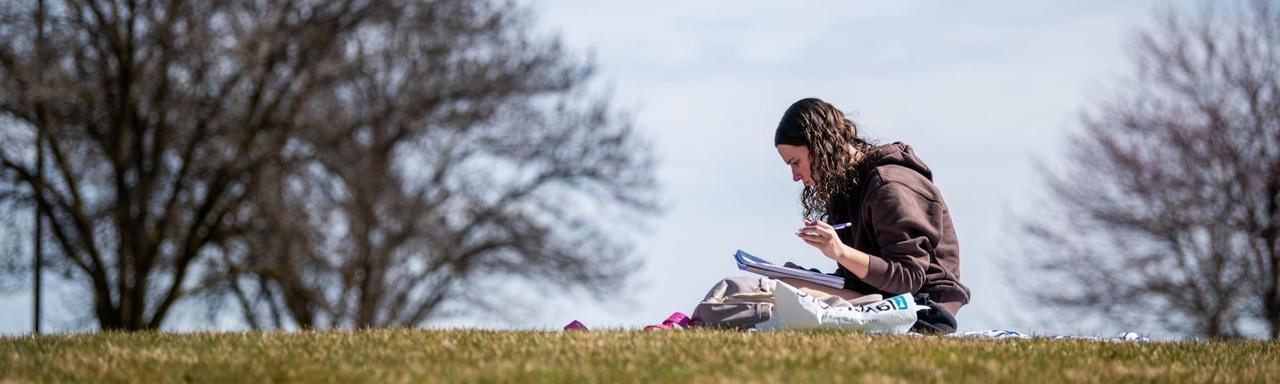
[[795, 176]]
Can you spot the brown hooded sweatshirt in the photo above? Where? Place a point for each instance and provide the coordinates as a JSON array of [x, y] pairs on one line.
[[900, 219]]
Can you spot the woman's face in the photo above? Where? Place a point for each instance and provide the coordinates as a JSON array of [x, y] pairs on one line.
[[797, 157]]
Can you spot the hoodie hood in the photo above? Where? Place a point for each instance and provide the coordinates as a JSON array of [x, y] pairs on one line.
[[896, 154]]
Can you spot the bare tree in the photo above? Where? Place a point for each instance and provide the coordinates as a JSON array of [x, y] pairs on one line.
[[1168, 211], [465, 152], [299, 146], [157, 116]]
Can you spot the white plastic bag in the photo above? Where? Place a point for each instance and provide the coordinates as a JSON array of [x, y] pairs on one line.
[[793, 309]]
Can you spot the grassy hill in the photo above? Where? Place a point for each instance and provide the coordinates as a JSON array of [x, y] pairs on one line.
[[617, 356]]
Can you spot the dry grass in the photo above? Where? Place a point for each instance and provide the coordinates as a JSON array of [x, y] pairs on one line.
[[617, 356]]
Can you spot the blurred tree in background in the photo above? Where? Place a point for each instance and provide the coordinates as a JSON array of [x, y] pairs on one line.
[[1167, 213], [461, 148], [317, 163]]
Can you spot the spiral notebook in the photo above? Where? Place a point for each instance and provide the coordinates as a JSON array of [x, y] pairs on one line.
[[763, 267]]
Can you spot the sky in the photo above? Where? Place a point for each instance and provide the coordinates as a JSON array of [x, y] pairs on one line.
[[982, 90]]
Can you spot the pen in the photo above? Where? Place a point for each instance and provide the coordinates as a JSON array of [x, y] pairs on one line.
[[840, 226]]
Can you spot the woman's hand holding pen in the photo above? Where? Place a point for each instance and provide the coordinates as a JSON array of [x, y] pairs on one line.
[[823, 236]]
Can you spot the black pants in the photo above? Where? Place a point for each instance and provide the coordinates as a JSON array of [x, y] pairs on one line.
[[934, 320]]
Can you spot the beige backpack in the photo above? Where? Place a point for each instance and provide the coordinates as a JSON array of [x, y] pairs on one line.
[[743, 302]]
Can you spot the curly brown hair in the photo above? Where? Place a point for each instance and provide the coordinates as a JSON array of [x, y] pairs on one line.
[[833, 143]]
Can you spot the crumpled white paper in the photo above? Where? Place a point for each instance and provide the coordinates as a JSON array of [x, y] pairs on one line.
[[794, 309]]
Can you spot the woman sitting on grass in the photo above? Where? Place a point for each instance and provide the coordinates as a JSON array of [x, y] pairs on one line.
[[900, 238]]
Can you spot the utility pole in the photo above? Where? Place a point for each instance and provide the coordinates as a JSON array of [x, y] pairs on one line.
[[39, 251], [39, 184], [39, 246]]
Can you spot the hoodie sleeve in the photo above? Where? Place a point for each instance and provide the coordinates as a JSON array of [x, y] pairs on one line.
[[906, 233]]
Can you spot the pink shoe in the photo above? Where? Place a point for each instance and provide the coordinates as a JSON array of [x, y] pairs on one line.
[[676, 319]]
